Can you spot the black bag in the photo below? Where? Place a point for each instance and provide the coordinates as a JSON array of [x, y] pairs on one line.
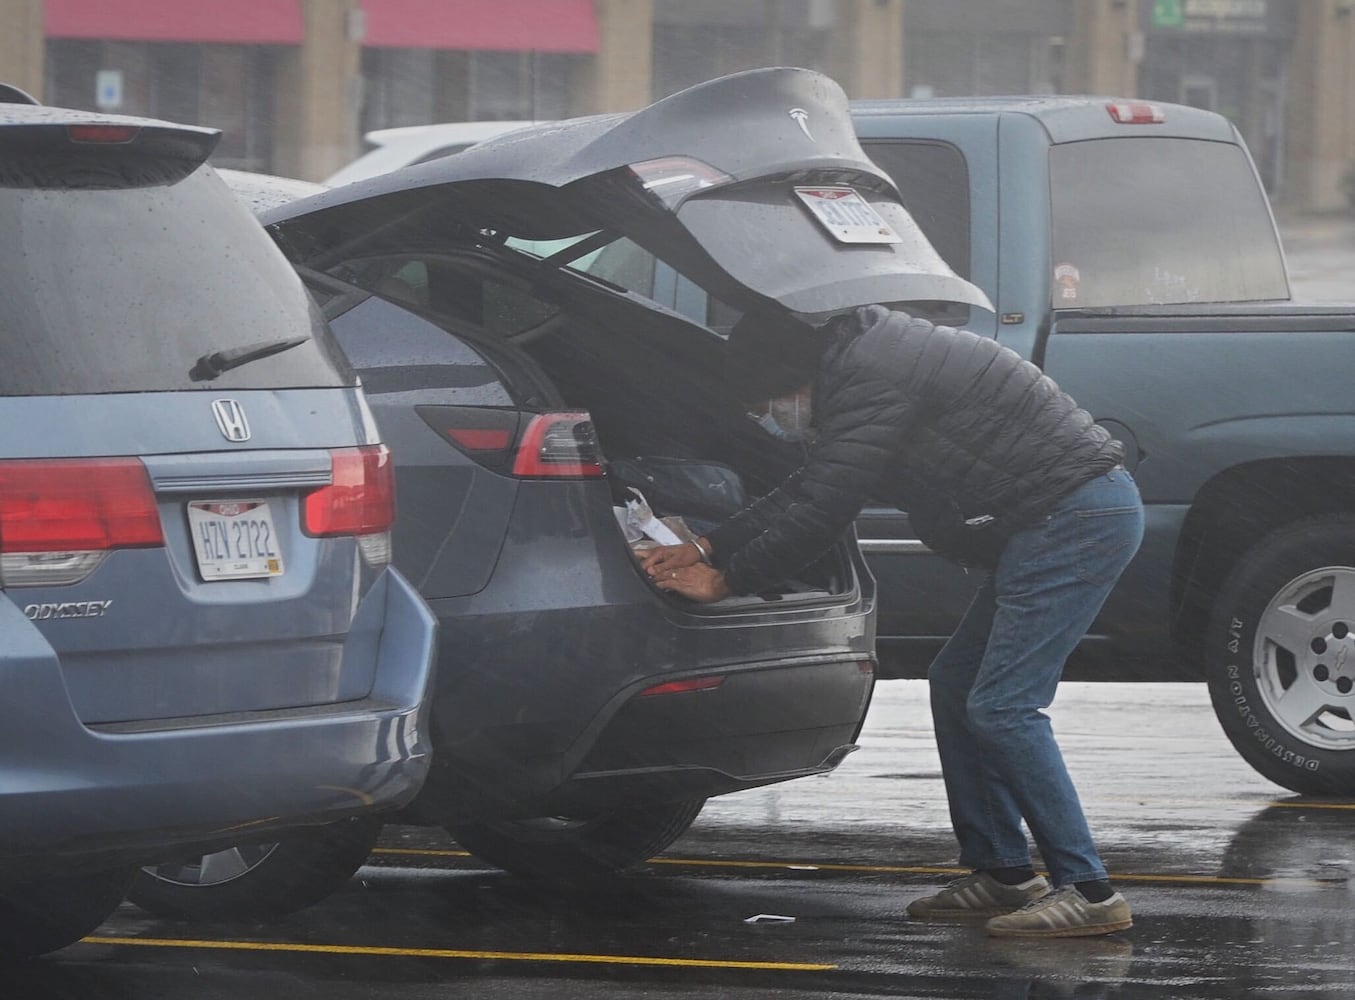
[[703, 493], [974, 542]]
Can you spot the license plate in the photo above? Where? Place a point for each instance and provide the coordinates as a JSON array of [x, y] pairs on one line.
[[847, 216], [234, 539]]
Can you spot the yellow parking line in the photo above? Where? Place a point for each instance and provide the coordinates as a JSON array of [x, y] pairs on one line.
[[1314, 805], [923, 869], [506, 956], [420, 852]]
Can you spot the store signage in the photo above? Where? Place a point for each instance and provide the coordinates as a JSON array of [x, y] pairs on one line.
[[108, 89], [1233, 17]]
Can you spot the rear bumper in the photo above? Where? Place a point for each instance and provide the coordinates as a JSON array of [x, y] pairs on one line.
[[553, 720], [85, 796], [758, 726]]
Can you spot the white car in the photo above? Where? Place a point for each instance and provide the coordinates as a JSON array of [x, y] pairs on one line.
[[399, 147]]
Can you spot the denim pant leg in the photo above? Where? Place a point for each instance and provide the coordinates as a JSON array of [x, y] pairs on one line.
[[986, 819], [992, 681]]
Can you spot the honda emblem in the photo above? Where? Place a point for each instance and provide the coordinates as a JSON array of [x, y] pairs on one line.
[[230, 417]]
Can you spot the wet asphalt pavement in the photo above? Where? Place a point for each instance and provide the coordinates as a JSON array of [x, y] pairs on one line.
[[1238, 888]]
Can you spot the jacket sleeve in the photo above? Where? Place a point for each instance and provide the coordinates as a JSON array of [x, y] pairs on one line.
[[859, 440]]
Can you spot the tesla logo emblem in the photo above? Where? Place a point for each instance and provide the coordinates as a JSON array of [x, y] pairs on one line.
[[801, 117], [230, 417]]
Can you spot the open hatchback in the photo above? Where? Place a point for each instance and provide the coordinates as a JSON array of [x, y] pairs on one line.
[[501, 307]]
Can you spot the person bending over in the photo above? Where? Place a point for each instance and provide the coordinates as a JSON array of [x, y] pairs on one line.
[[998, 470]]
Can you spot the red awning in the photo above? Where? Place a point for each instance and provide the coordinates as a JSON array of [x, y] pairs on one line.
[[245, 22], [500, 25]]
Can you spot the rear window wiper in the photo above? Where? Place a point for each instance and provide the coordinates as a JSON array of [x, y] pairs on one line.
[[209, 366]]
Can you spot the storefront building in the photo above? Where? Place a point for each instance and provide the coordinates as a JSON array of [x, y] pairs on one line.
[[293, 84]]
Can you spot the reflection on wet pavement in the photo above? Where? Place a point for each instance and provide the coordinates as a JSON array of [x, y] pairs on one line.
[[1238, 889]]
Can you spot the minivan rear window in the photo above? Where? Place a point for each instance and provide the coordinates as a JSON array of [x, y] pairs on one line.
[[127, 289], [1145, 221]]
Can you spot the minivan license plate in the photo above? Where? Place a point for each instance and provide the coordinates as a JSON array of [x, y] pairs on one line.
[[847, 216], [234, 539]]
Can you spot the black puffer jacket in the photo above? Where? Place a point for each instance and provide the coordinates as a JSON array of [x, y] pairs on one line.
[[968, 437]]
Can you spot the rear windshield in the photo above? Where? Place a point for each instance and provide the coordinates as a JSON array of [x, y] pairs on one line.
[[1143, 221], [127, 289]]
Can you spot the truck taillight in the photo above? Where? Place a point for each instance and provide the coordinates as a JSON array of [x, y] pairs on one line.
[[559, 445], [59, 517], [360, 499], [1136, 113]]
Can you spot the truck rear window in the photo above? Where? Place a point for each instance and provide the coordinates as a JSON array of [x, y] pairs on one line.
[[126, 289], [1145, 221]]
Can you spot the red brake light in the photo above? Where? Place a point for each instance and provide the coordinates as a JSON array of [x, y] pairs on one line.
[[76, 505], [480, 438], [102, 133], [672, 178], [559, 445], [679, 687], [360, 500], [1136, 113]]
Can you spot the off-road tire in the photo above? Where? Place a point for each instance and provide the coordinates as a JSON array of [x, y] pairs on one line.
[[1279, 656], [268, 881], [567, 849]]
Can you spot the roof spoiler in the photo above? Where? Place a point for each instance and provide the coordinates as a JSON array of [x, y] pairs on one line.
[[10, 94], [93, 151]]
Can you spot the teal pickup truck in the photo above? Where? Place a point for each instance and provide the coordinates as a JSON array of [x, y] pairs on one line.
[[1129, 250]]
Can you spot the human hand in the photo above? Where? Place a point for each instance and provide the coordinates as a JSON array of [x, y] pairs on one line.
[[701, 583], [662, 560]]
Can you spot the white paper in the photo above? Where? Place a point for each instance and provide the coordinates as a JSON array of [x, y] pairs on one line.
[[641, 517]]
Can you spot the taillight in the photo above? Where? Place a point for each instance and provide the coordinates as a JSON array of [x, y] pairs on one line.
[[672, 178], [559, 445], [59, 516], [549, 446], [485, 433], [102, 133], [1136, 113], [360, 499], [683, 686]]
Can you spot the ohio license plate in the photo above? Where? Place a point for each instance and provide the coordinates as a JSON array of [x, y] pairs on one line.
[[847, 216], [234, 539]]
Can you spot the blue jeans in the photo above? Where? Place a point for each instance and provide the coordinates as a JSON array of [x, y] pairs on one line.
[[999, 671]]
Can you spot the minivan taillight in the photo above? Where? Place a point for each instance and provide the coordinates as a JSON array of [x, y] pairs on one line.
[[360, 499], [559, 445], [65, 504], [58, 517]]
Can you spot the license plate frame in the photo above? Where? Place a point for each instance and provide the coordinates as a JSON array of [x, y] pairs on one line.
[[845, 215], [235, 539]]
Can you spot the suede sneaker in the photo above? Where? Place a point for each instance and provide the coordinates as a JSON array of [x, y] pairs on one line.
[[977, 895], [1065, 912]]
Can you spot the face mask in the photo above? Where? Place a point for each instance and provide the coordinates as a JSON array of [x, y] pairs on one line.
[[788, 417]]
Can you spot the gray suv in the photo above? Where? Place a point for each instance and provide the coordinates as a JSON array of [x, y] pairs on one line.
[[201, 632]]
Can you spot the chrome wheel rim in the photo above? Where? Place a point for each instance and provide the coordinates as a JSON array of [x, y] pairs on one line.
[[1304, 656], [213, 869]]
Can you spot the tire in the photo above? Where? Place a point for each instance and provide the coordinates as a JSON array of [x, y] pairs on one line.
[[568, 849], [1280, 656], [258, 881], [42, 916]]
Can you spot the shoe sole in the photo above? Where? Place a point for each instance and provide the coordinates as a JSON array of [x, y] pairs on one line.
[[1086, 930], [960, 916]]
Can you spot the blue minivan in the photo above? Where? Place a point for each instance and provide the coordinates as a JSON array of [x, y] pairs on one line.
[[202, 641]]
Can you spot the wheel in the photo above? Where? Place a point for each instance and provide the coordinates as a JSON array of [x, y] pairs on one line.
[[44, 915], [258, 881], [1280, 656], [567, 849]]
